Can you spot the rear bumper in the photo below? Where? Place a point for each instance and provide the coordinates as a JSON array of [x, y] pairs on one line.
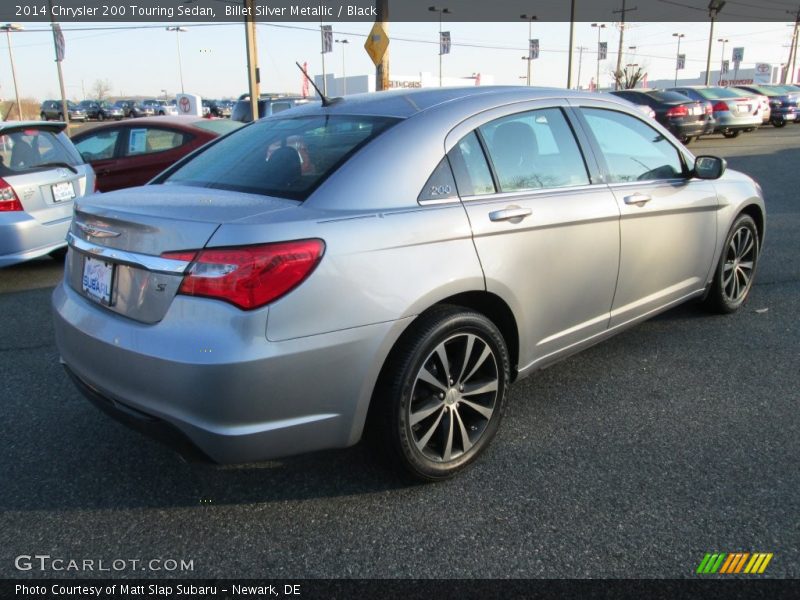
[[23, 238], [729, 122], [688, 129], [219, 383]]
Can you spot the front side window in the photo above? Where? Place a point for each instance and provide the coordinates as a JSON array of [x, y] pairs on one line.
[[287, 158], [534, 150], [633, 150]]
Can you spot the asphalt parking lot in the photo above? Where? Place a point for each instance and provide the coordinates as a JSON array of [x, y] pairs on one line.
[[632, 459]]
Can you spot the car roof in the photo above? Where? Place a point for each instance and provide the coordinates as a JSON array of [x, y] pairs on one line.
[[404, 103], [180, 121]]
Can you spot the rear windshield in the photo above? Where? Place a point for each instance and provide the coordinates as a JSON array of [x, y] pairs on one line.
[[669, 97], [33, 149], [717, 93], [287, 158]]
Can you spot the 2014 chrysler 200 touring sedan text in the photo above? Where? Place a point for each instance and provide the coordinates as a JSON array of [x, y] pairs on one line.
[[390, 262]]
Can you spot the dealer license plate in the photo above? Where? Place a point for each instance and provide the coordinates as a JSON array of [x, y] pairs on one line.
[[63, 191], [98, 276]]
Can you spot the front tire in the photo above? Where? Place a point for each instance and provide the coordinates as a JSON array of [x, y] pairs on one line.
[[443, 392], [733, 278]]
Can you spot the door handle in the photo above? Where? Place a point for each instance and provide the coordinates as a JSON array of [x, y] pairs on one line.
[[637, 199], [515, 214]]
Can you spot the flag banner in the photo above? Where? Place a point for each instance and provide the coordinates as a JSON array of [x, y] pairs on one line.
[[602, 50], [327, 39], [444, 42], [681, 61], [533, 49]]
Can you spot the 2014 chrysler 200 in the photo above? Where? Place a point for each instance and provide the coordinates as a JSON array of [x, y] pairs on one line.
[[390, 261]]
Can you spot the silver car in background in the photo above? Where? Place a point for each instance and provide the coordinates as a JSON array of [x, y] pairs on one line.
[[41, 175], [390, 262], [733, 112]]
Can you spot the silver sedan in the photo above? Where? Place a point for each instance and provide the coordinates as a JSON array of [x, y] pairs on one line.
[[391, 263]]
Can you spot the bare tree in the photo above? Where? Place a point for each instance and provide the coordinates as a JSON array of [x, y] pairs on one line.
[[629, 77], [101, 88]]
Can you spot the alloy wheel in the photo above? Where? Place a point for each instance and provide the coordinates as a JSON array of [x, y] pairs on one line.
[[454, 397], [737, 271]]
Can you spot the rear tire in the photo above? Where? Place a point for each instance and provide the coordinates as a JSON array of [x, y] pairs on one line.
[[685, 140], [442, 393], [732, 134], [733, 278], [778, 123], [101, 117], [60, 116], [43, 117]]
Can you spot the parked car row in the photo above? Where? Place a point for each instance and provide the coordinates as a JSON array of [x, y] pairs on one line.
[[689, 112]]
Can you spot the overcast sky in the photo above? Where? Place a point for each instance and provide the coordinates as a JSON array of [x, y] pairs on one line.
[[142, 60]]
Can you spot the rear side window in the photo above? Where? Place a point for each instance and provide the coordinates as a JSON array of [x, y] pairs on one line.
[[470, 168], [440, 185], [148, 140], [287, 158], [534, 150], [31, 149], [633, 150]]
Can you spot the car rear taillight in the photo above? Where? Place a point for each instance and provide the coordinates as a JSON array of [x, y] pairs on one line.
[[721, 106], [678, 111], [8, 198], [249, 276]]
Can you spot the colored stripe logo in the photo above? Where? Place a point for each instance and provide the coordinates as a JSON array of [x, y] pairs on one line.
[[734, 563]]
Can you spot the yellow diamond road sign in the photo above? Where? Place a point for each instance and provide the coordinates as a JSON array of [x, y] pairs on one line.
[[377, 43]]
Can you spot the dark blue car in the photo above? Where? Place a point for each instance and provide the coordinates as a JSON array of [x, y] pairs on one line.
[[782, 102]]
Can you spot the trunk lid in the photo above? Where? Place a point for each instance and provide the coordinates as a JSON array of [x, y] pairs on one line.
[[128, 231]]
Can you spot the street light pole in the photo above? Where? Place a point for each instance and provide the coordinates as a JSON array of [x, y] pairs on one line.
[[178, 31], [344, 72], [713, 10], [8, 28], [600, 26], [722, 57], [678, 54], [580, 50], [441, 11], [530, 19]]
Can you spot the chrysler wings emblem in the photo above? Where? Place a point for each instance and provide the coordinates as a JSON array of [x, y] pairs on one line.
[[96, 232]]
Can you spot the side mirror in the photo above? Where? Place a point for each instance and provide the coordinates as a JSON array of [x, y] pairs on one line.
[[709, 167]]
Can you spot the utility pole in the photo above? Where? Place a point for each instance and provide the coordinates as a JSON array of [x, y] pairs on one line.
[[713, 10], [571, 41], [253, 78], [622, 13], [382, 69], [580, 50], [8, 28]]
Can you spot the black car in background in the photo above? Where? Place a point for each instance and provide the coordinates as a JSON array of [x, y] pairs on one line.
[[132, 109], [685, 118], [100, 110], [219, 108], [52, 109]]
